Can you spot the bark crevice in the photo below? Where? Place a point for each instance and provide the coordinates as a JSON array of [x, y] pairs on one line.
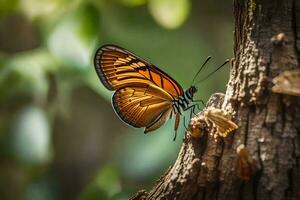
[[296, 26]]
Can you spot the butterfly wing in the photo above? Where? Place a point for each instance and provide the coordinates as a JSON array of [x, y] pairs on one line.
[[142, 105], [220, 120], [288, 82], [118, 68]]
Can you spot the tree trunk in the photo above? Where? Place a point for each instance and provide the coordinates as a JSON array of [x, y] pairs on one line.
[[266, 42]]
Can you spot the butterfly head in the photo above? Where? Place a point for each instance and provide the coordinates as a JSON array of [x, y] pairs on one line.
[[192, 90]]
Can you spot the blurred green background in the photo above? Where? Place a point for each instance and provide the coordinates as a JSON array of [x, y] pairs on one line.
[[59, 135]]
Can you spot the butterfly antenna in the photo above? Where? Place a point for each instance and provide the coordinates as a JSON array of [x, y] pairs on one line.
[[175, 136], [206, 77], [207, 59]]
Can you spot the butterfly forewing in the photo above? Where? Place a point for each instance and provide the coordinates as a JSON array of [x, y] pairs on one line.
[[118, 68]]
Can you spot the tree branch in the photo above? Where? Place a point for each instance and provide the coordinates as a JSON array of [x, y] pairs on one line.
[[269, 123]]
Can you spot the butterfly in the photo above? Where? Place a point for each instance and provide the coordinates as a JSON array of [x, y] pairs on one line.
[[145, 96], [287, 82], [212, 118], [221, 120]]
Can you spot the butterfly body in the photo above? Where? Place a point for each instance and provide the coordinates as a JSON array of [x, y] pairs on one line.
[[184, 101], [145, 96]]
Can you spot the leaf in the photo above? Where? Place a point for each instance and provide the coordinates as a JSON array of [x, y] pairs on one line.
[[26, 73], [73, 39], [170, 13], [45, 8]]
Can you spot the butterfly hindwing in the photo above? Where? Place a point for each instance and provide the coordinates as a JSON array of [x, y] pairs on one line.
[[118, 68], [143, 106]]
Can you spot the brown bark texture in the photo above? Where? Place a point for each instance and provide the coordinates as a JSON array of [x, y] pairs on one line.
[[266, 42]]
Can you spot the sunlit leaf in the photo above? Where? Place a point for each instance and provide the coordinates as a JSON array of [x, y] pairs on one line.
[[169, 13], [45, 8], [73, 39], [31, 136]]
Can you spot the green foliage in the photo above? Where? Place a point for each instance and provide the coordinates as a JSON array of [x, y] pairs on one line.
[[7, 7], [170, 13], [132, 3], [158, 151], [47, 8], [30, 137], [73, 39], [105, 186], [25, 74], [44, 188]]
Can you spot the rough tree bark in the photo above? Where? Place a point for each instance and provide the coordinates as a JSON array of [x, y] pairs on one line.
[[266, 42]]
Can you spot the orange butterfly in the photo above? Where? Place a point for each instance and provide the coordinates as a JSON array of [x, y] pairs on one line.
[[145, 96]]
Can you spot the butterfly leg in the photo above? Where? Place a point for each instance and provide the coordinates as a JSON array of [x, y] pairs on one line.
[[192, 108], [192, 111], [201, 102], [197, 105], [177, 120], [175, 135], [184, 122]]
